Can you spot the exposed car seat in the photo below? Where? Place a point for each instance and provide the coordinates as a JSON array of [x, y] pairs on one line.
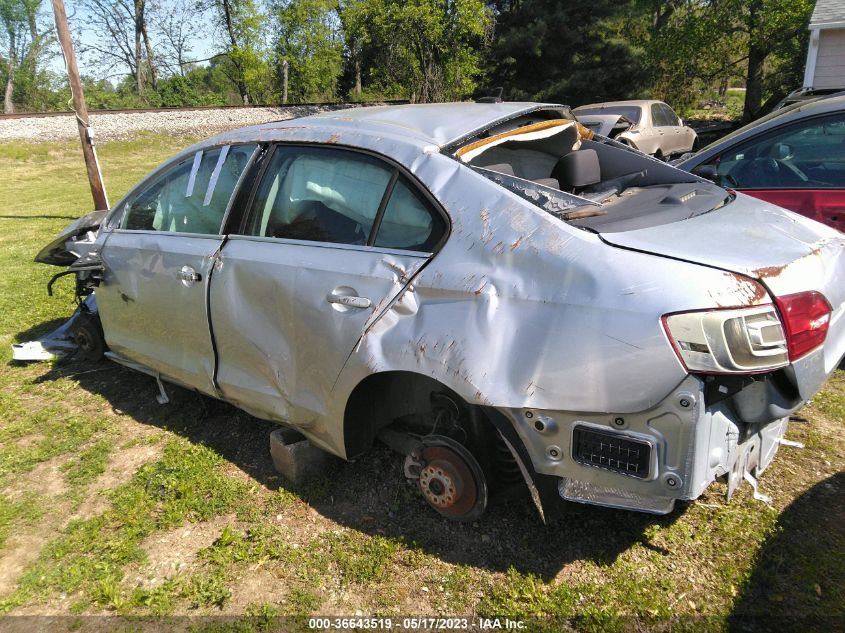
[[577, 170], [313, 220]]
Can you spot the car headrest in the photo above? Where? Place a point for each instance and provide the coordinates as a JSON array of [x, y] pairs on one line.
[[578, 169]]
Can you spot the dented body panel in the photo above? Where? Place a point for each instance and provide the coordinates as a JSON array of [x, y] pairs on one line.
[[557, 327]]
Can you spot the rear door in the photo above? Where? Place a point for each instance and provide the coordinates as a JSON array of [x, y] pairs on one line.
[[157, 261], [799, 166], [330, 237]]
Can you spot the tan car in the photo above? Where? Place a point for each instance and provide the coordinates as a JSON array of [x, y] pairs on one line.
[[649, 126]]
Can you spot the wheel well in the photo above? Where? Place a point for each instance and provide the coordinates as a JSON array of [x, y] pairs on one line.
[[380, 399], [419, 406]]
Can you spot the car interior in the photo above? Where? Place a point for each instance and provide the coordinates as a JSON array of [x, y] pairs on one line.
[[329, 195], [565, 169]]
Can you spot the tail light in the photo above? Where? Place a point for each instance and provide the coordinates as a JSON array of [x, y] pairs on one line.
[[806, 317], [732, 341]]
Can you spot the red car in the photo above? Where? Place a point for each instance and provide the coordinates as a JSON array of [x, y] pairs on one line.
[[794, 158]]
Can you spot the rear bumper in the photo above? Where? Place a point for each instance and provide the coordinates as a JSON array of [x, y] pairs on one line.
[[646, 461]]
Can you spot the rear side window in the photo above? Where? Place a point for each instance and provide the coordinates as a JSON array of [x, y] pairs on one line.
[[192, 196], [342, 197], [804, 155], [408, 222], [322, 195]]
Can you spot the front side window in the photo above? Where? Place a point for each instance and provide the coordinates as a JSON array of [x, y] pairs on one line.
[[805, 155], [192, 196]]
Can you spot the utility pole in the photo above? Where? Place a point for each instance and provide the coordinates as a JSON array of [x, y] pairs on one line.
[[92, 165]]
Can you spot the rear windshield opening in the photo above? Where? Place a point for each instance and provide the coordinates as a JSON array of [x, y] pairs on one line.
[[632, 113], [593, 184]]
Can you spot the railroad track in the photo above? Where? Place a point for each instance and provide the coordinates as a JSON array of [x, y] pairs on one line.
[[32, 115]]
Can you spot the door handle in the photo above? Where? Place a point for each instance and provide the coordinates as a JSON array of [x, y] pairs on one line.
[[352, 302], [188, 276]]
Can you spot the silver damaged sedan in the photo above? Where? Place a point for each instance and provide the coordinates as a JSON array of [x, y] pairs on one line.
[[487, 288]]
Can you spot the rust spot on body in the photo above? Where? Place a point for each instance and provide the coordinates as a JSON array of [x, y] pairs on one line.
[[769, 271], [334, 138], [515, 244], [751, 291]]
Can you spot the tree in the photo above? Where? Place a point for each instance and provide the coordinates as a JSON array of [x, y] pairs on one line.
[[176, 25], [772, 28], [564, 51], [242, 23], [696, 42], [431, 50], [21, 41], [120, 39], [309, 39]]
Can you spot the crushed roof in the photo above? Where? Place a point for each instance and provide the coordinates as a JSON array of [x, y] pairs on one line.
[[436, 123]]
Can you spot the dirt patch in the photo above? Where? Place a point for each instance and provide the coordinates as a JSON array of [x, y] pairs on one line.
[[122, 465], [257, 586], [23, 547], [19, 552], [174, 551], [46, 479]]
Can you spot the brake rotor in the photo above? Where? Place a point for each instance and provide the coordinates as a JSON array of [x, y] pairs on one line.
[[451, 480]]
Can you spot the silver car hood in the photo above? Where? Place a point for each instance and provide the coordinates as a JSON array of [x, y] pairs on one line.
[[786, 251]]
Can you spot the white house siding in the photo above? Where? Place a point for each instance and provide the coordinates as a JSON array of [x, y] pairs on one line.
[[830, 59]]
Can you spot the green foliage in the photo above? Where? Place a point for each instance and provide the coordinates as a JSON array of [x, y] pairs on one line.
[[692, 46], [243, 23], [558, 51], [312, 45], [90, 463], [23, 47], [423, 50]]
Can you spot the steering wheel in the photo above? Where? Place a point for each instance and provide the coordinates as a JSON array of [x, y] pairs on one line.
[[767, 172], [788, 167]]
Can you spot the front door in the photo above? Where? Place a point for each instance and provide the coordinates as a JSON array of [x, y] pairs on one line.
[[331, 237], [157, 262], [799, 166]]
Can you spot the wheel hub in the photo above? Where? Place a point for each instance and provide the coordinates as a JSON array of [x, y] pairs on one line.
[[439, 484], [451, 480]]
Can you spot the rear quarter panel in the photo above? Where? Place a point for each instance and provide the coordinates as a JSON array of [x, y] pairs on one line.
[[521, 310]]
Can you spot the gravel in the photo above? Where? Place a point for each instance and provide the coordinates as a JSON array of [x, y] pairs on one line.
[[121, 126]]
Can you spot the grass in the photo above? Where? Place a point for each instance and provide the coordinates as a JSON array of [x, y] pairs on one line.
[[200, 524], [734, 100]]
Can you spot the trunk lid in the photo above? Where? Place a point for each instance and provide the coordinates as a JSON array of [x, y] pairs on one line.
[[755, 239], [784, 251]]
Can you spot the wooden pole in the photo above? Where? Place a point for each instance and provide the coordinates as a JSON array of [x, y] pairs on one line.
[[98, 190]]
